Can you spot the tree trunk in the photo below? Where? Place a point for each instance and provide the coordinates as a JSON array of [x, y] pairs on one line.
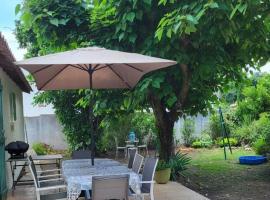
[[165, 126]]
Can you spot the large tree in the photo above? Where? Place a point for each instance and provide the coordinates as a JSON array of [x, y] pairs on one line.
[[213, 42]]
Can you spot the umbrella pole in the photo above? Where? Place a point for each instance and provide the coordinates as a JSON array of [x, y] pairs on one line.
[[91, 129]]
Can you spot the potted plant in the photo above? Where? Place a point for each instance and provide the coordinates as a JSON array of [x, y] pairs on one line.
[[163, 172]]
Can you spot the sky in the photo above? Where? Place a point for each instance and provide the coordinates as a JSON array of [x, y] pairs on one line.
[[7, 26]]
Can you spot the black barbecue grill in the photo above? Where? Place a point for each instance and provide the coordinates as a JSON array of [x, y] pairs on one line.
[[17, 149]]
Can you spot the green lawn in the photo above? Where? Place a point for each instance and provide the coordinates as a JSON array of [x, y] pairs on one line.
[[219, 179], [213, 160]]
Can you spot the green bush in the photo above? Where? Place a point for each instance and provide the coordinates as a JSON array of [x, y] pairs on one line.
[[214, 126], [197, 144], [40, 148], [261, 147], [178, 163], [206, 140], [187, 131], [163, 165], [250, 131], [233, 142]]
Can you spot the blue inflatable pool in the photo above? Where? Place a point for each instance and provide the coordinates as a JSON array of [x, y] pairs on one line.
[[252, 160]]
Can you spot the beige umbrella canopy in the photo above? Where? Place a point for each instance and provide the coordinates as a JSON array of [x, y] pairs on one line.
[[93, 68], [108, 69]]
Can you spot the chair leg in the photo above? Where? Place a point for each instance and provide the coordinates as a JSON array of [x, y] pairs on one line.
[[147, 153], [152, 196], [38, 195]]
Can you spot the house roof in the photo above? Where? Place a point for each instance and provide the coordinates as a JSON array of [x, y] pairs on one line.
[[7, 64]]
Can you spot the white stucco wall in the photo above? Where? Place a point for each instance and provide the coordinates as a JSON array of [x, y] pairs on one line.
[[17, 132], [45, 129]]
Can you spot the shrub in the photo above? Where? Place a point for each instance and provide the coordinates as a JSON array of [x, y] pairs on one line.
[[233, 142], [214, 126], [206, 140], [187, 131], [250, 131], [40, 148], [261, 147], [197, 144], [178, 163], [163, 165]]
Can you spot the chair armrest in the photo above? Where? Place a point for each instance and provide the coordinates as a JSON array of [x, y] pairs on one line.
[[50, 170], [51, 188], [47, 176], [50, 180], [142, 182]]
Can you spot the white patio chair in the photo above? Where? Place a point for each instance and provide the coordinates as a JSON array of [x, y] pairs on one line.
[[47, 183], [132, 152], [137, 164], [147, 182], [144, 145], [110, 187]]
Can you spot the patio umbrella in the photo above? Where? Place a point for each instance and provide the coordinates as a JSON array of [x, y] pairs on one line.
[[91, 68]]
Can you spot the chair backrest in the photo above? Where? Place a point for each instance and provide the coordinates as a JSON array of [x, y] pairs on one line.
[[33, 171], [137, 164], [110, 187], [132, 152], [81, 154], [148, 173]]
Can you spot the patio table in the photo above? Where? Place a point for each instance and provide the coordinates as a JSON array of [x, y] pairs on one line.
[[78, 174]]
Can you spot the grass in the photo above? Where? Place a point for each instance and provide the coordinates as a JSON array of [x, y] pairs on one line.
[[219, 179], [212, 160]]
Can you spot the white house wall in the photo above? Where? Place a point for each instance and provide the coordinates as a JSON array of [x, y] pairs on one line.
[[16, 133]]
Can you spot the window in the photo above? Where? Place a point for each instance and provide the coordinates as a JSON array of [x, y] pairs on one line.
[[12, 103]]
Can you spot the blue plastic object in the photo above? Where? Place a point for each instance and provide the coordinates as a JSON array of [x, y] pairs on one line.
[[252, 160], [131, 136]]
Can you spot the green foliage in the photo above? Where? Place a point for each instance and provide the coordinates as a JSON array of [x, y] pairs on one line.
[[233, 142], [187, 131], [178, 163], [255, 100], [209, 56], [204, 141], [197, 144], [162, 165], [261, 147], [250, 131], [41, 148], [142, 123], [214, 126]]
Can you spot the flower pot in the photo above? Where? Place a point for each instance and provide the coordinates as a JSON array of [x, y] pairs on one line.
[[163, 176]]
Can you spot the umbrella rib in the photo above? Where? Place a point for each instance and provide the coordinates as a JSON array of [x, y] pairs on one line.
[[78, 67], [118, 75], [94, 68], [131, 66], [53, 77], [101, 67], [41, 69]]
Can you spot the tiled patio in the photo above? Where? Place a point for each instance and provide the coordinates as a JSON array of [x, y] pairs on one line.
[[170, 191]]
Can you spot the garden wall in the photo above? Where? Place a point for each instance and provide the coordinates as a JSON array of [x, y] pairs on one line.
[[46, 129], [201, 123]]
